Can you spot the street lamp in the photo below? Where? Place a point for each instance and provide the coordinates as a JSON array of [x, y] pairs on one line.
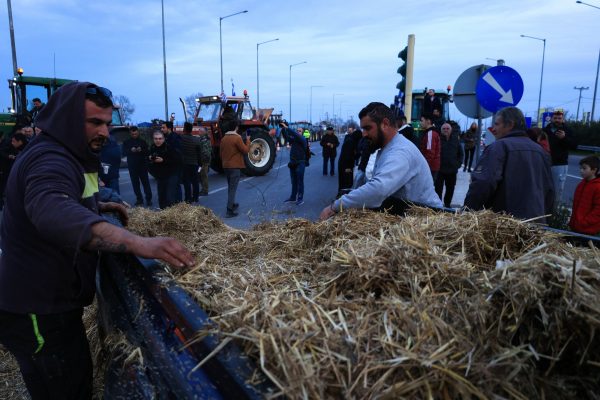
[[257, 84], [541, 77], [581, 2], [162, 4], [293, 65], [499, 61], [221, 42], [311, 88], [333, 106]]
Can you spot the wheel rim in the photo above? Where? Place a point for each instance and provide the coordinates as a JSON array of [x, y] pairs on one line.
[[259, 153]]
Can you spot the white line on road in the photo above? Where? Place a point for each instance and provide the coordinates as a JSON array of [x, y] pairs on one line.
[[574, 176]]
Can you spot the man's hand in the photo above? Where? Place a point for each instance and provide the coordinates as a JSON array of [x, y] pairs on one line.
[[163, 248], [560, 134], [326, 213], [120, 209]]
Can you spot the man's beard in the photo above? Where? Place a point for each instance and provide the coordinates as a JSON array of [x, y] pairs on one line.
[[375, 145], [101, 141]]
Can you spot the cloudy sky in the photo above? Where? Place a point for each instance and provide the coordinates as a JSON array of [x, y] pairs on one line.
[[351, 48]]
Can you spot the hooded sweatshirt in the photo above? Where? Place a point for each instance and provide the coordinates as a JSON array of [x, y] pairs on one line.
[[585, 217], [49, 213]]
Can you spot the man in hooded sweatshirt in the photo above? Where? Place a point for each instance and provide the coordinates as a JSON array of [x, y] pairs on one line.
[[52, 235]]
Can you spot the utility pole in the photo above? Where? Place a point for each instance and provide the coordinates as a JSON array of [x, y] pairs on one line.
[[12, 38], [581, 88], [595, 90]]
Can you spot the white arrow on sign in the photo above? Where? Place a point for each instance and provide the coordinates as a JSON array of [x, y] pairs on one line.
[[506, 97]]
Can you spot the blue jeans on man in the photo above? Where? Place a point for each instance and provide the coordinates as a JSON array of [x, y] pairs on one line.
[[297, 178]]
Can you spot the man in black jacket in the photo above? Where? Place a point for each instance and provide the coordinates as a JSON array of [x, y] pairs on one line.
[[513, 174], [136, 151], [329, 142], [52, 236], [451, 156], [561, 140]]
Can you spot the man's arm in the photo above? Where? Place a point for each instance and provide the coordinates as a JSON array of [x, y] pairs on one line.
[[485, 177], [108, 237]]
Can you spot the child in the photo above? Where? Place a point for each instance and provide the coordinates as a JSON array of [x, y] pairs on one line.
[[586, 205]]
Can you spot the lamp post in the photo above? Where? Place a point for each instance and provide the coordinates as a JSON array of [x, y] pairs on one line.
[[333, 107], [581, 2], [293, 65], [162, 4], [581, 88], [257, 82], [310, 113], [221, 42], [499, 61], [541, 77]]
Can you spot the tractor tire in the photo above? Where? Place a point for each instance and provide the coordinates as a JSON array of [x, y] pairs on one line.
[[261, 157], [215, 161]]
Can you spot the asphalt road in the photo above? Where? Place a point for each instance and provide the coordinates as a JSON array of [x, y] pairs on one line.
[[261, 198]]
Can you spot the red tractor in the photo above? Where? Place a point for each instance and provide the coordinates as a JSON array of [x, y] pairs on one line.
[[253, 122]]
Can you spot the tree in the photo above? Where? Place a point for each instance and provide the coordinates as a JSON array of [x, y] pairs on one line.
[[127, 109], [191, 104]]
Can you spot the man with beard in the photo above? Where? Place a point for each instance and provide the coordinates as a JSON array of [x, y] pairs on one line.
[[52, 235], [401, 175], [561, 140]]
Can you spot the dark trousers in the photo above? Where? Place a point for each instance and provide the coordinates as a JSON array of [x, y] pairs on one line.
[[140, 175], [469, 156], [162, 190], [345, 177], [113, 184], [297, 178], [204, 177], [233, 179], [52, 351], [331, 160], [174, 191], [450, 181], [191, 186]]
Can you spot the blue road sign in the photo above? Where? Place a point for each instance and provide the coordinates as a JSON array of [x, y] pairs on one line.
[[499, 87]]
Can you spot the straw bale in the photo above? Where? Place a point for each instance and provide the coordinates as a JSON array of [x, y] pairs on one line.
[[368, 305]]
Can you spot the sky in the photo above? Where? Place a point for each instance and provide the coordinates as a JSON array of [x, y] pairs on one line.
[[350, 48]]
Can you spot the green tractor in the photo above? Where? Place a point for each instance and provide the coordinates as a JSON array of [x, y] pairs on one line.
[[23, 89]]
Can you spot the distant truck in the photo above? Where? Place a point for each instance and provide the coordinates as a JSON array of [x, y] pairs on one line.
[[253, 122]]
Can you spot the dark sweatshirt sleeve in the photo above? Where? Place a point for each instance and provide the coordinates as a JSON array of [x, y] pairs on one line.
[[486, 177], [53, 196]]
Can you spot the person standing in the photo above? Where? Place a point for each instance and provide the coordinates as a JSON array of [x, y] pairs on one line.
[[561, 140], [136, 151], [513, 174], [232, 152], [190, 149], [430, 145], [430, 103], [406, 129], [110, 158], [348, 156], [163, 161], [8, 155], [53, 212], [585, 217], [173, 141], [297, 164], [451, 156], [400, 176], [470, 139], [329, 142], [35, 110], [205, 156]]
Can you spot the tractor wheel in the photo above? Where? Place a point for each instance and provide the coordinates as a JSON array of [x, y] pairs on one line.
[[215, 160], [261, 157]]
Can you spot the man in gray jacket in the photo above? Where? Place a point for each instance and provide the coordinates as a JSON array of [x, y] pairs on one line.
[[513, 174], [401, 175]]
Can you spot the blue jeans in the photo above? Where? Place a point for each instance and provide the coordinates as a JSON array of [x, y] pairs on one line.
[[297, 177], [559, 176], [233, 179]]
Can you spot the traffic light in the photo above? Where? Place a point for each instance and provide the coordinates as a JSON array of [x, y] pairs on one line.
[[403, 55]]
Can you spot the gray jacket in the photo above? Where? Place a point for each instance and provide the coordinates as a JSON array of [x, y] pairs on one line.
[[514, 176]]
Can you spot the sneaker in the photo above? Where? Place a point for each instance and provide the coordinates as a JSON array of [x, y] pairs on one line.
[[290, 200], [203, 193], [300, 202], [231, 214], [236, 206]]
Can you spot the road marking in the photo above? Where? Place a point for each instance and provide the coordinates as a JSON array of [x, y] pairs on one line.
[[574, 176]]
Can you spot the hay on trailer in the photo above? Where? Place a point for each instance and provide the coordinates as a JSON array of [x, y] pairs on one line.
[[369, 305]]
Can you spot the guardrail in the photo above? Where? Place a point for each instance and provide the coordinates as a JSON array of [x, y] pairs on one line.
[[589, 148]]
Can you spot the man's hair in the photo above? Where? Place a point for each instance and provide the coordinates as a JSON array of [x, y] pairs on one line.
[[99, 100], [169, 125], [20, 137], [158, 133], [514, 115], [591, 161], [400, 120], [378, 112], [36, 99], [229, 124], [187, 127], [427, 116], [133, 128], [558, 112]]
